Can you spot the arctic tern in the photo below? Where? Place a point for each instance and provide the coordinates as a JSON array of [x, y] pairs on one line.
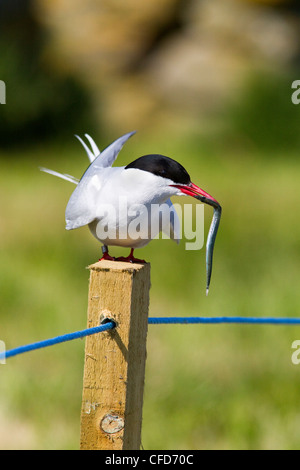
[[105, 198]]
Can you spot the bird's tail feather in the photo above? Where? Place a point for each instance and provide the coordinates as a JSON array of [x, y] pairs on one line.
[[95, 151], [64, 176]]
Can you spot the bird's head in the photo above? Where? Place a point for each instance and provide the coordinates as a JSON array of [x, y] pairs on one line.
[[173, 179]]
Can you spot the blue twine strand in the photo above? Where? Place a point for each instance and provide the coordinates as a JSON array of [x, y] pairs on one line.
[[152, 321], [57, 340], [186, 320]]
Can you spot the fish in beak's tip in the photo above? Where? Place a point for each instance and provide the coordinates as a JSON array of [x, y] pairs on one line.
[[207, 290]]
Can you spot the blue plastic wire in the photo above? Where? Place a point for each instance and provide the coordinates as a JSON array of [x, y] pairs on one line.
[[186, 320], [151, 321], [56, 340]]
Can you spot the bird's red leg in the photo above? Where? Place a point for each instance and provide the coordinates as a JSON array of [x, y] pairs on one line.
[[106, 256], [130, 258]]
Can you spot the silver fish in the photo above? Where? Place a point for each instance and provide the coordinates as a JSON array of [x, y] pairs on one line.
[[211, 235], [211, 242]]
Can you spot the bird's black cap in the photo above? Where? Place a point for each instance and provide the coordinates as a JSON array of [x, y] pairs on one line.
[[162, 166]]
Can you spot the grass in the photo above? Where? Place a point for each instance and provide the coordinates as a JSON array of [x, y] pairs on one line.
[[207, 386]]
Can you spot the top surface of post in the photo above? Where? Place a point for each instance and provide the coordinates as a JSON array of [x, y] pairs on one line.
[[118, 266]]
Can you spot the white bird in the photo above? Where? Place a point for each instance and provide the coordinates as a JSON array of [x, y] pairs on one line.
[[113, 201]]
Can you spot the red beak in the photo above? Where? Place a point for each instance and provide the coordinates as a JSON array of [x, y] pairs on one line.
[[194, 191]]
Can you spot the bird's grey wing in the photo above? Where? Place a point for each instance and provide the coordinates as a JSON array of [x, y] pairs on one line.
[[81, 208], [107, 156], [169, 222]]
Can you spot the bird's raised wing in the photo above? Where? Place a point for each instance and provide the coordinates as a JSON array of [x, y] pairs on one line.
[[81, 208], [107, 157]]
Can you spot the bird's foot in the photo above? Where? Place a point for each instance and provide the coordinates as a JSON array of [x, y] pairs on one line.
[[107, 257], [130, 259]]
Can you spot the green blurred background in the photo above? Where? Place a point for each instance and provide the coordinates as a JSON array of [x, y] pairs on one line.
[[207, 82]]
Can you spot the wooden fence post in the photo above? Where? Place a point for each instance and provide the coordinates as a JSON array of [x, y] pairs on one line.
[[114, 369]]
